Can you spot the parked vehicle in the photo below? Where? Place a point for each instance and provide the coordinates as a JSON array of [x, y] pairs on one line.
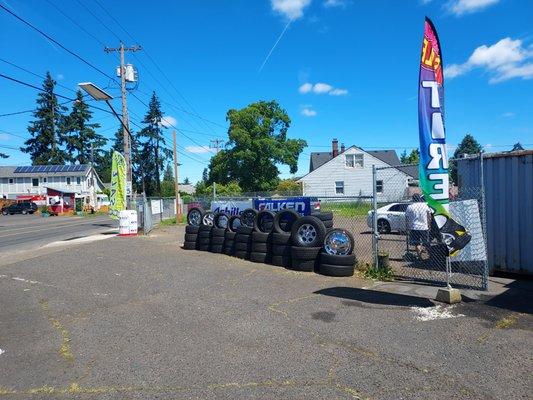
[[25, 207], [391, 218]]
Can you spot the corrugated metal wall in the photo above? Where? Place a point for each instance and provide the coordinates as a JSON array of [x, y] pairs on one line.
[[508, 179]]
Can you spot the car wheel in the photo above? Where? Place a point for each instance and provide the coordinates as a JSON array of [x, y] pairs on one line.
[[221, 220], [248, 217], [195, 216], [308, 231], [264, 221], [4, 212], [383, 226], [284, 220], [207, 219], [338, 242]]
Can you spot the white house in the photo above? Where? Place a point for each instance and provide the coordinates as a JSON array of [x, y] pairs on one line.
[[39, 182], [349, 173]]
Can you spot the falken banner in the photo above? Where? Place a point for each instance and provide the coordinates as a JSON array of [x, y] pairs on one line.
[[117, 201], [434, 177]]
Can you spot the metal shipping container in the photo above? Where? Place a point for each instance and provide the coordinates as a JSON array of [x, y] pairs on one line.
[[508, 182]]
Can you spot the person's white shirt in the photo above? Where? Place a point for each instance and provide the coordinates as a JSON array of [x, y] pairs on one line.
[[416, 216]]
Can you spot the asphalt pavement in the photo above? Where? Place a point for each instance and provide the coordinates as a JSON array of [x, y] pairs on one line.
[[28, 232], [140, 318]]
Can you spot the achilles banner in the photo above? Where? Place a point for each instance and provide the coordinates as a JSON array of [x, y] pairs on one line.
[[434, 179]]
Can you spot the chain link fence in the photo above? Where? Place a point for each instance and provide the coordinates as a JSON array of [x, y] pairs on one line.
[[422, 256], [151, 211]]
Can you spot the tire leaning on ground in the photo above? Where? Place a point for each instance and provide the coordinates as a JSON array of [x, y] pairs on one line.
[[258, 257], [189, 246], [195, 216], [242, 254], [308, 231], [303, 265], [284, 220], [336, 270]]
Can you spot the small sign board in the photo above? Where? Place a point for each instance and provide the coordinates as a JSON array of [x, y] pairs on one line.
[[302, 205], [231, 207]]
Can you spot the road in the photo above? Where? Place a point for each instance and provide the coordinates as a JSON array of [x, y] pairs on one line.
[[26, 232], [140, 318]]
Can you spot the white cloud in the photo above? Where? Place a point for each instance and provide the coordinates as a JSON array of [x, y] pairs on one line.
[[504, 60], [291, 9], [168, 121], [305, 88], [60, 77], [460, 7], [508, 114], [336, 3], [322, 88], [308, 112], [5, 136], [198, 149]]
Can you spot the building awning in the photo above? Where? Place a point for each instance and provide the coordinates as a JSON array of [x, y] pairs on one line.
[[60, 190]]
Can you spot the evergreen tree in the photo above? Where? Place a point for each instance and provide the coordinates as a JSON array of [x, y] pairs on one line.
[[83, 143], [468, 145], [205, 175], [169, 175], [47, 130], [118, 140], [2, 155], [412, 158], [186, 181], [152, 152]]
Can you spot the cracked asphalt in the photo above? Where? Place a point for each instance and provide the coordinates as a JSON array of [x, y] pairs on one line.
[[140, 318]]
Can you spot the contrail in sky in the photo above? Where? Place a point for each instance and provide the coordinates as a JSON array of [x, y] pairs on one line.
[[273, 47]]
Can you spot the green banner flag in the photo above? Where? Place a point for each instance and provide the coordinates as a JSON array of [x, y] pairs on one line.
[[117, 201]]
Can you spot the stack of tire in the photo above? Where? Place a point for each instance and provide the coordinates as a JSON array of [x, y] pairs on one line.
[[281, 237], [229, 237], [243, 237], [198, 229], [218, 232], [307, 237], [337, 257], [191, 236], [262, 237]]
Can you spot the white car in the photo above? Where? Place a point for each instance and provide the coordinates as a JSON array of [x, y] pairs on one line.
[[391, 218]]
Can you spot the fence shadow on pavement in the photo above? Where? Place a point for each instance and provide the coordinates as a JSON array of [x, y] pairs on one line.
[[375, 297]]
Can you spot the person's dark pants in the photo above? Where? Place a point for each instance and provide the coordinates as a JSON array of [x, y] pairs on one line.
[[419, 237]]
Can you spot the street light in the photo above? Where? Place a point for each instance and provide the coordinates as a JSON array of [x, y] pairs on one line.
[[94, 91]]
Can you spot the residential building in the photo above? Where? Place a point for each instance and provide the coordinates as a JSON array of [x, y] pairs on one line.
[[46, 184], [348, 172]]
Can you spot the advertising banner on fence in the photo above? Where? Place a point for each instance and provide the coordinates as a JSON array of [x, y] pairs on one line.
[[231, 207], [301, 205], [117, 200], [434, 178]]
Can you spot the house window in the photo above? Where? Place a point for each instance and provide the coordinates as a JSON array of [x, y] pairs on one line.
[[339, 187], [35, 182], [68, 180], [45, 180], [11, 180], [78, 180], [354, 160], [379, 186]]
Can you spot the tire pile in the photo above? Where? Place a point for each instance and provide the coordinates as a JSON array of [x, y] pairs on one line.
[[285, 239]]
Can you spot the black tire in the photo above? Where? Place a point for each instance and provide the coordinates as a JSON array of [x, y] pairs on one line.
[[383, 226], [305, 253], [284, 220], [189, 246], [248, 217], [336, 270], [261, 247], [220, 220], [336, 245], [281, 261], [234, 222], [281, 250], [229, 235], [323, 215], [316, 235], [191, 229], [204, 234], [258, 257], [204, 228], [195, 216], [243, 238], [217, 240], [242, 254], [216, 248], [347, 260], [203, 242], [203, 247], [264, 221], [281, 238], [260, 237], [328, 224], [218, 232], [303, 265], [239, 246], [190, 237], [228, 251], [244, 230]]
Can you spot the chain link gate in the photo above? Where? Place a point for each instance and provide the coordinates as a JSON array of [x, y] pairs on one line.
[[394, 190]]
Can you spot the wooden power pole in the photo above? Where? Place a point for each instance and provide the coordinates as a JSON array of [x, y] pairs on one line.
[[176, 180], [125, 120]]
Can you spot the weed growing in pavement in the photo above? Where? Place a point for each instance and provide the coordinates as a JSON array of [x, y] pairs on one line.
[[371, 272]]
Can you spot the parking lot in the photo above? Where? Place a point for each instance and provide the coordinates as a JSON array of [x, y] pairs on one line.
[[141, 318]]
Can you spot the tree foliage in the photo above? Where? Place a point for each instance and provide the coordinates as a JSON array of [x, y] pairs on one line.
[[289, 186], [411, 158], [469, 145], [229, 189], [2, 155], [257, 144], [47, 129]]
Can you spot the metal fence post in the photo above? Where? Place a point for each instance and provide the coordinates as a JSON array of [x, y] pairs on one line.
[[374, 216], [483, 220]]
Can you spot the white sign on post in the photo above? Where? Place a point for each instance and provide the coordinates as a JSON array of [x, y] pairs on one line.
[[155, 205]]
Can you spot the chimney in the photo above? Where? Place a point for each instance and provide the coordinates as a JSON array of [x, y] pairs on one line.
[[343, 148], [335, 147]]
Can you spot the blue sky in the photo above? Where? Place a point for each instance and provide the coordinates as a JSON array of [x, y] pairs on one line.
[[343, 68]]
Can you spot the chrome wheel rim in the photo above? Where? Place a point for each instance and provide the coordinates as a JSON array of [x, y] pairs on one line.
[[247, 219], [195, 218], [208, 219], [223, 221], [307, 233], [337, 243], [382, 226]]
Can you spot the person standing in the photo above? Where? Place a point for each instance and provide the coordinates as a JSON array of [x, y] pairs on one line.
[[418, 220]]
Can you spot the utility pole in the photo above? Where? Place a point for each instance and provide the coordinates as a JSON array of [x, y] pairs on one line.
[[176, 180], [216, 144], [125, 120]]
